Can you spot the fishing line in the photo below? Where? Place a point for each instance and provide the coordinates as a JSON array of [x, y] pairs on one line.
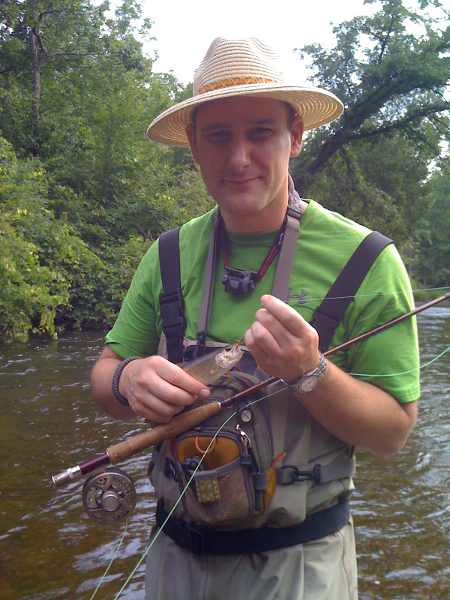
[[303, 295], [419, 367], [185, 489], [113, 558], [183, 492]]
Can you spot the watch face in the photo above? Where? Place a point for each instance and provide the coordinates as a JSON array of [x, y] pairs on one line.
[[309, 384], [310, 379]]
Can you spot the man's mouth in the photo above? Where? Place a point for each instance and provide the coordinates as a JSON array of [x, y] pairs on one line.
[[239, 181]]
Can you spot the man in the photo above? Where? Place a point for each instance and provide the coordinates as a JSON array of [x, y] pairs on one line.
[[243, 124]]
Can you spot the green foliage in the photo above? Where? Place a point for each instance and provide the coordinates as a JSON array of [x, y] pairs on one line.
[[30, 292], [391, 70], [83, 193], [379, 183], [432, 261]]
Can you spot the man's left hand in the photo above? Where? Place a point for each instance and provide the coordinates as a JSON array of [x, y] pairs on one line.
[[283, 344]]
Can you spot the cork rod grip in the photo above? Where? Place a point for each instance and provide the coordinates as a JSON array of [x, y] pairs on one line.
[[177, 425]]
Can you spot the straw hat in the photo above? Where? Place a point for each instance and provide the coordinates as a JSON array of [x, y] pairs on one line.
[[244, 67]]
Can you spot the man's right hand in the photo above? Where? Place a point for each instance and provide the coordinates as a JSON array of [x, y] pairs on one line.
[[158, 389]]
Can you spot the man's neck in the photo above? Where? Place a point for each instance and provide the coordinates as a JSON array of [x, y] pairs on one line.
[[269, 219]]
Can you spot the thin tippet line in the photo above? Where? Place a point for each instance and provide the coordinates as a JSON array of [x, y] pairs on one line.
[[302, 297], [420, 367], [113, 558], [183, 492]]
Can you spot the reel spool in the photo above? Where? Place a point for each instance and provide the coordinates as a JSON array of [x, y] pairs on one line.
[[110, 496]]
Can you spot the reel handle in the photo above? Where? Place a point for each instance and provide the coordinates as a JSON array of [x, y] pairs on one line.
[[177, 425]]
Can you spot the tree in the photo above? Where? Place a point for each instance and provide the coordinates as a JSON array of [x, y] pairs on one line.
[[90, 192], [392, 81], [43, 36], [432, 264]]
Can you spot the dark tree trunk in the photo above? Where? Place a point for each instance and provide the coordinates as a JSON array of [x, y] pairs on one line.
[[36, 92]]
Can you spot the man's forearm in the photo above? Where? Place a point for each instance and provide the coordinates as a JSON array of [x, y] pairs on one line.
[[360, 413]]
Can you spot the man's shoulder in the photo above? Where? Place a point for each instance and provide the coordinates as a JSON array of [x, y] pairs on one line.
[[329, 222], [194, 235], [199, 226]]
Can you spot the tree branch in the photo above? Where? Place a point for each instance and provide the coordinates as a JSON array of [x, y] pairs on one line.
[[425, 111], [39, 39], [385, 40]]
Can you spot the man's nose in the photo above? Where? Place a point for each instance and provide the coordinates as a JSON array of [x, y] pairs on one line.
[[239, 157]]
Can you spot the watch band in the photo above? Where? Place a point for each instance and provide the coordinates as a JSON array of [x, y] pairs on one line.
[[116, 378], [308, 381]]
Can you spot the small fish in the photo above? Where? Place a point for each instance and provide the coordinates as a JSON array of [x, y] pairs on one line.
[[210, 367]]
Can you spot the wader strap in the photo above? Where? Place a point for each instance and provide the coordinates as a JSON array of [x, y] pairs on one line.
[[331, 311], [208, 284], [203, 540], [171, 299], [286, 257]]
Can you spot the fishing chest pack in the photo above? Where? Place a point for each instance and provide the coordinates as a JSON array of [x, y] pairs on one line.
[[263, 474]]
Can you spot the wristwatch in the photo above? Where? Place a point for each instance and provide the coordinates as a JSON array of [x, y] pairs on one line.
[[308, 381]]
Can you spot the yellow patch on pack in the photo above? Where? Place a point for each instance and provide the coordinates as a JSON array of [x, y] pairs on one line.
[[207, 490]]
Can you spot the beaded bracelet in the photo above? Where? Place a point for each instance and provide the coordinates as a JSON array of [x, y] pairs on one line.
[[116, 378]]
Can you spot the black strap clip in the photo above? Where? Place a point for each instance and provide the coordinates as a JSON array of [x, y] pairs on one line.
[[289, 474], [171, 310]]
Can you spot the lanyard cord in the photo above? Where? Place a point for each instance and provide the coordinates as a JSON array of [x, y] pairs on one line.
[[240, 282]]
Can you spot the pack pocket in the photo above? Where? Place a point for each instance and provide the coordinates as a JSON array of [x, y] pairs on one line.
[[221, 491]]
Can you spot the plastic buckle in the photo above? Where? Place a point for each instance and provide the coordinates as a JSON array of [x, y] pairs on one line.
[[289, 474], [171, 310], [170, 470], [192, 538]]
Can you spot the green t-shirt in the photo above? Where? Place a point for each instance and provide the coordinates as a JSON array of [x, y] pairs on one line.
[[326, 242]]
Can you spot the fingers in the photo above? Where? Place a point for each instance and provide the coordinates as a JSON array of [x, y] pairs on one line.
[[260, 343], [285, 315], [157, 389], [177, 377], [281, 341]]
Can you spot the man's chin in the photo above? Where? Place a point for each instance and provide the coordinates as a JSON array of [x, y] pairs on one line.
[[241, 204]]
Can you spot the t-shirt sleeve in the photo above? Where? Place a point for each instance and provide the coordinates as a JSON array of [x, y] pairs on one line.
[[390, 359], [136, 331]]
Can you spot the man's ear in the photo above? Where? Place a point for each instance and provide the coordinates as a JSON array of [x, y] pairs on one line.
[[190, 133], [296, 136]]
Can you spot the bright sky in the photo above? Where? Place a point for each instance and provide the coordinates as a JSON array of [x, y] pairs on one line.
[[184, 28]]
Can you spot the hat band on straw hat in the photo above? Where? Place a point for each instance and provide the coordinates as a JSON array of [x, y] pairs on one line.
[[232, 81]]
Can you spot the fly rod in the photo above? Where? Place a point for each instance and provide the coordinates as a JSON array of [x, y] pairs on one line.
[[189, 419]]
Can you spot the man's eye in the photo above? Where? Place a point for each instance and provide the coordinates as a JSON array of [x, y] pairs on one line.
[[218, 137], [260, 133]]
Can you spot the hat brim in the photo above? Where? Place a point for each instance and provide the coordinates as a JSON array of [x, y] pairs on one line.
[[315, 106]]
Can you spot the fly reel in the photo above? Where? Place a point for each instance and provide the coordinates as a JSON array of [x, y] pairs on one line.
[[109, 496]]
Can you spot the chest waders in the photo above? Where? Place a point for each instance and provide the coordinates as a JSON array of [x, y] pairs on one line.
[[286, 480]]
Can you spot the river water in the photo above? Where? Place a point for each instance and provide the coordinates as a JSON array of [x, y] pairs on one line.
[[50, 549]]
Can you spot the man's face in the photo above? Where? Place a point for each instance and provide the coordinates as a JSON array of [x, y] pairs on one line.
[[243, 146]]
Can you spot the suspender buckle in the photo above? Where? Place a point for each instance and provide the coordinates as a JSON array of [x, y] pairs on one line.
[[289, 474], [192, 538]]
